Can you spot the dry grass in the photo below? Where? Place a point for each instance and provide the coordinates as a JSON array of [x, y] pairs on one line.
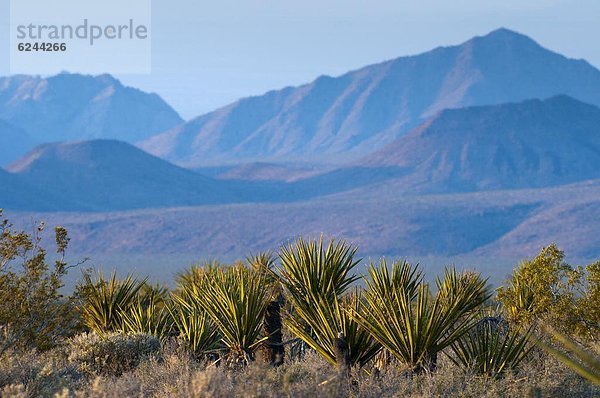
[[174, 374]]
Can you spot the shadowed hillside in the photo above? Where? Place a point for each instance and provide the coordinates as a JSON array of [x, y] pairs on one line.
[[530, 144], [14, 143], [109, 175]]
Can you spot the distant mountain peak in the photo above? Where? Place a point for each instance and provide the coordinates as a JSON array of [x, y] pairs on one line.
[[109, 174], [72, 106], [503, 33], [337, 119], [504, 37], [77, 152], [54, 151]]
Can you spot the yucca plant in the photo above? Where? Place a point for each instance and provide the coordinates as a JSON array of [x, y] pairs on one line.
[[236, 300], [194, 275], [149, 314], [157, 294], [492, 347], [194, 326], [411, 323], [583, 362], [308, 266], [105, 301], [329, 320], [518, 297], [263, 262], [315, 280]]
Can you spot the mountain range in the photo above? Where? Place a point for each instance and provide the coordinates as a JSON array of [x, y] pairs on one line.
[[481, 149], [336, 119], [531, 144], [70, 107]]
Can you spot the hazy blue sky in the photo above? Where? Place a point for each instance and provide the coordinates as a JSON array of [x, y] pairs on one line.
[[209, 53]]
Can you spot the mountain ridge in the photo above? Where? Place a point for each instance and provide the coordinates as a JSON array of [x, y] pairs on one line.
[[345, 117], [534, 143], [485, 148], [70, 107], [530, 144]]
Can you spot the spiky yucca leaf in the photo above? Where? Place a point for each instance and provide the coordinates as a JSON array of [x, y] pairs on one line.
[[491, 348], [326, 319], [105, 301], [194, 275], [149, 314], [193, 324], [309, 267], [584, 363], [264, 263], [315, 279], [457, 298], [261, 262], [402, 276], [521, 303], [156, 294], [414, 326]]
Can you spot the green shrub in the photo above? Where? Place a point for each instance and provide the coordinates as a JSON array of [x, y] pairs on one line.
[[35, 373], [587, 299], [548, 289], [32, 312]]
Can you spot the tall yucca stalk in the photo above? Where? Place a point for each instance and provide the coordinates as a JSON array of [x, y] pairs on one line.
[[236, 300], [315, 280], [105, 301], [412, 324], [491, 348]]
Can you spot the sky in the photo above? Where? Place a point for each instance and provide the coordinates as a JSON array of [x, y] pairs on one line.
[[206, 54]]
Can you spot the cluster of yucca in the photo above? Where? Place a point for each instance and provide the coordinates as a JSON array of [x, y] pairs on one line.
[[228, 313], [216, 311]]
